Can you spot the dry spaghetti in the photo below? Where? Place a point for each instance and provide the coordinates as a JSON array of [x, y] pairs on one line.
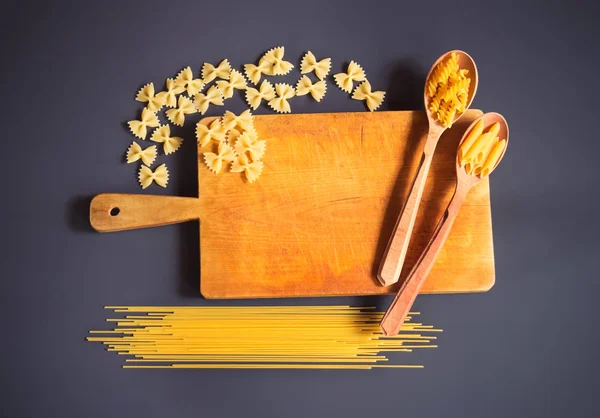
[[258, 337]]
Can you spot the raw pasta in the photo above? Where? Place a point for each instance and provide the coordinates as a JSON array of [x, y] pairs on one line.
[[345, 80], [448, 90], [280, 103], [493, 158], [254, 72], [186, 80], [146, 94], [135, 153], [253, 146], [373, 99], [265, 92], [470, 139], [184, 107], [210, 72], [236, 81], [251, 169], [163, 135], [212, 96], [309, 63], [232, 136], [278, 65], [160, 176], [316, 90], [139, 128], [170, 96], [204, 133], [214, 162], [244, 121]]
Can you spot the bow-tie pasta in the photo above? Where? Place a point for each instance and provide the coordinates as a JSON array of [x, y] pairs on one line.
[[214, 162], [265, 92], [280, 103], [135, 153], [246, 143], [146, 94], [306, 86], [204, 134], [275, 58], [251, 169], [309, 64], [345, 80], [169, 97], [160, 176], [185, 79], [373, 99], [236, 81], [202, 101], [210, 72], [184, 107], [139, 128], [163, 135]]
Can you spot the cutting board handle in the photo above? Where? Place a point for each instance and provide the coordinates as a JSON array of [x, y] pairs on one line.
[[111, 212]]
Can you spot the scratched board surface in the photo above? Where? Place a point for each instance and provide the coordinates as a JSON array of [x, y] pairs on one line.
[[317, 221]]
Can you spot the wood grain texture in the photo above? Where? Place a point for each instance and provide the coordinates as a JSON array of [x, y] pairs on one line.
[[318, 220]]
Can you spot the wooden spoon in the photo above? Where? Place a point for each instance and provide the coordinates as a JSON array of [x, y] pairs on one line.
[[393, 257], [394, 317]]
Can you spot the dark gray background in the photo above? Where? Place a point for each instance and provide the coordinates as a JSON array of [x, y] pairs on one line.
[[69, 75]]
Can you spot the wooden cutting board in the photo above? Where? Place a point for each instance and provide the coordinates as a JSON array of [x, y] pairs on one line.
[[317, 221]]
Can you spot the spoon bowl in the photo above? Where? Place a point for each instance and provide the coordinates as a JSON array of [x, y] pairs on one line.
[[464, 62]]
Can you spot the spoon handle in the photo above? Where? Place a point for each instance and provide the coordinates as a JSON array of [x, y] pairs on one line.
[[396, 314], [395, 252]]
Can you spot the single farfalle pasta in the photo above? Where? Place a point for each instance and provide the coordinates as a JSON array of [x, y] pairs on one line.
[[214, 162], [139, 128], [159, 176], [233, 135], [254, 72], [163, 135], [251, 169], [215, 131], [305, 86], [373, 99], [170, 95], [244, 121], [274, 57], [309, 64], [135, 153], [184, 107], [210, 72], [190, 84], [280, 102], [146, 95], [236, 81], [202, 101], [345, 81], [266, 91], [246, 143]]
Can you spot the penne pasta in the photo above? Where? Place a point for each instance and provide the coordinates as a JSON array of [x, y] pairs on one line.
[[470, 139], [492, 159], [485, 151], [477, 146]]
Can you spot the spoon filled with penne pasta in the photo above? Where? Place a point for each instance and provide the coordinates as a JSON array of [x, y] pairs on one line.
[[450, 88], [481, 148]]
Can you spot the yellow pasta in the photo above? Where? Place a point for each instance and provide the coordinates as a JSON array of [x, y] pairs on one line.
[[305, 86], [236, 81], [254, 97], [139, 128], [246, 143], [475, 133], [280, 102], [135, 153], [169, 97], [210, 72], [184, 107], [478, 145], [160, 176], [278, 65], [185, 79], [485, 151], [146, 94], [254, 72], [448, 90], [204, 134], [214, 162], [163, 135], [261, 337], [493, 158], [345, 81], [202, 101], [244, 121], [309, 64], [373, 99], [251, 169]]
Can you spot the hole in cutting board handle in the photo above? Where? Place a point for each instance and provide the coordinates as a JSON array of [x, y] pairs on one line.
[[114, 211]]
